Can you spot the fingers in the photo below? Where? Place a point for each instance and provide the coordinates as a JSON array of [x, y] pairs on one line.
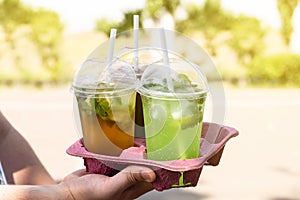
[[130, 183], [138, 174], [137, 190], [132, 175]]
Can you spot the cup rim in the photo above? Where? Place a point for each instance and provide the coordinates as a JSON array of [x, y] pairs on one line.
[[172, 95], [91, 91]]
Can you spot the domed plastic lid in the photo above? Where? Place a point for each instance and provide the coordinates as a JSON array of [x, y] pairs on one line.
[[173, 78], [97, 76]]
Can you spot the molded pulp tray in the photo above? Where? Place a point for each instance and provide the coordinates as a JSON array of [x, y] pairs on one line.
[[169, 174]]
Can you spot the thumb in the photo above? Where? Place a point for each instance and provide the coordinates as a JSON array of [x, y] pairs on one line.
[[132, 175]]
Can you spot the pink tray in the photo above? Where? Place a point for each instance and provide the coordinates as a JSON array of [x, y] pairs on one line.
[[169, 174]]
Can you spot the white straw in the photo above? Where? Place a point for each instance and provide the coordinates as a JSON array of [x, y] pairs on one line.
[[166, 58], [113, 33], [136, 40], [164, 46], [112, 38]]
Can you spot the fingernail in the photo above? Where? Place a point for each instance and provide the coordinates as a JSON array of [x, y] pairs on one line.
[[147, 176]]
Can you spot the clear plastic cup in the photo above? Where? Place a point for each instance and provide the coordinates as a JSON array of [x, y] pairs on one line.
[[105, 104], [147, 56], [173, 118]]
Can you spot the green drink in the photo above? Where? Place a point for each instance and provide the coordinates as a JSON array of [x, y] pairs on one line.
[[173, 120]]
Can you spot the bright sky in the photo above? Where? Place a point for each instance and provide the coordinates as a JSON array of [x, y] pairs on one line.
[[80, 15], [266, 10]]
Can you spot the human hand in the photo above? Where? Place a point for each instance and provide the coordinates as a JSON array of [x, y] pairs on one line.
[[128, 184]]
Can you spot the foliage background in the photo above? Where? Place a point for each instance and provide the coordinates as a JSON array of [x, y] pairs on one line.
[[35, 50]]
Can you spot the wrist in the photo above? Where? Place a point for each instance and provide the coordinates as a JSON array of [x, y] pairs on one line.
[[63, 192], [34, 192], [49, 192]]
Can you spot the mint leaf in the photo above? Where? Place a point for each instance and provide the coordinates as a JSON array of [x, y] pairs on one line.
[[102, 107]]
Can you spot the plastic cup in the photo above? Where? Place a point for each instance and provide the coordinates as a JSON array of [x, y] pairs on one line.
[[106, 106], [173, 119], [147, 56]]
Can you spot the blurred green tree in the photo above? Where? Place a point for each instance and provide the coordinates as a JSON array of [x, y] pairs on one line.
[[246, 38], [43, 28], [210, 19], [105, 25], [286, 10], [127, 22], [154, 8], [13, 14], [246, 33], [46, 32]]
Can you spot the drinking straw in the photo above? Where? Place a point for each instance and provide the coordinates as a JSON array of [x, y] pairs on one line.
[[112, 38], [136, 40], [166, 58]]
